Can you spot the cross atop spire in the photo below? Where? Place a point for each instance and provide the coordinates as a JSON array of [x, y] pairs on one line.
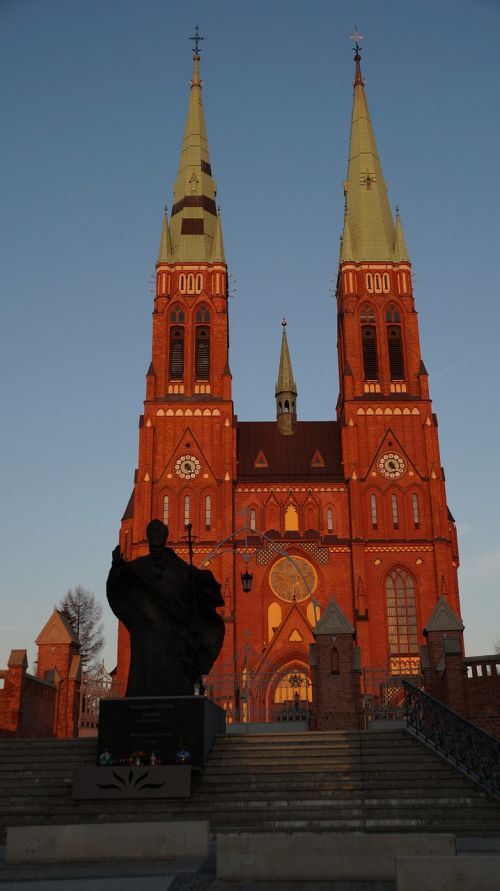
[[196, 38]]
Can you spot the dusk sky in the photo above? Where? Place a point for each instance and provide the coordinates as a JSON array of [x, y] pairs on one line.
[[93, 96]]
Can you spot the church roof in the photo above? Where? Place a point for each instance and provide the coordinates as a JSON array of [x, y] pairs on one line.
[[264, 454]]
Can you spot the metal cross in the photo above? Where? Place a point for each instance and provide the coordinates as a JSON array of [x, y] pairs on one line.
[[196, 39], [356, 36]]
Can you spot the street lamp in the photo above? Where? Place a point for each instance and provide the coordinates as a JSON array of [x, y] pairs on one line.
[[246, 577]]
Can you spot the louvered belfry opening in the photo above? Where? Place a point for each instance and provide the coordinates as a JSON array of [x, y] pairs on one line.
[[395, 347], [202, 353], [176, 359], [370, 364]]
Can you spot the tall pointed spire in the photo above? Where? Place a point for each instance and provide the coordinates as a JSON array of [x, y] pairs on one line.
[[286, 390], [165, 249], [218, 255], [193, 222], [400, 249], [369, 232]]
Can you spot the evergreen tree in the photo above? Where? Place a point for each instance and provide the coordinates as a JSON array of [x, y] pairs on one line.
[[83, 613]]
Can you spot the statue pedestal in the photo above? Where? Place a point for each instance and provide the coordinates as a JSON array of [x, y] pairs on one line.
[[160, 724]]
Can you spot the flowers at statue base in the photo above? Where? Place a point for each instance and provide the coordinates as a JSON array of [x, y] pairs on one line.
[[135, 759]]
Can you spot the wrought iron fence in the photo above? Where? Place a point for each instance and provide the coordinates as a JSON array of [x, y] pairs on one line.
[[383, 691], [474, 752], [94, 687], [261, 697]]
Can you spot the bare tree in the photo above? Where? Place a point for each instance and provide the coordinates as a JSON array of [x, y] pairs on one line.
[[83, 613]]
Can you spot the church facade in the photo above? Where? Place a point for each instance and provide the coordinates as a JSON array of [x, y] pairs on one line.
[[353, 507]]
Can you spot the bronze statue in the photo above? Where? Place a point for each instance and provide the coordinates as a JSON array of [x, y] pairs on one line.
[[169, 610]]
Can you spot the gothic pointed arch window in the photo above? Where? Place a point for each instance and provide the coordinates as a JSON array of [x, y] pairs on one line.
[[395, 511], [415, 510], [187, 510], [291, 518], [374, 511], [176, 344], [329, 519], [402, 621], [165, 509], [202, 343], [369, 343], [208, 512], [395, 343]]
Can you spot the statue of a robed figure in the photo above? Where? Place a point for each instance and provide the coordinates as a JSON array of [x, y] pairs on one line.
[[169, 609]]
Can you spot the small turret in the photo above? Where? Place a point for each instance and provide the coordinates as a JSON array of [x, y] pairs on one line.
[[286, 391]]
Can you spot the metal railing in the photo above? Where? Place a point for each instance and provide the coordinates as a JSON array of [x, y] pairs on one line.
[[261, 697], [474, 752]]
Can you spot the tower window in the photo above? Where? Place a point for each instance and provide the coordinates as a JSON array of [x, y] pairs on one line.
[[373, 508], [177, 314], [187, 510], [165, 510], [393, 314], [369, 282], [199, 283], [402, 619], [252, 519], [395, 347], [329, 519], [395, 512], [367, 314], [182, 283], [369, 343], [190, 283], [385, 282], [176, 358], [202, 313], [202, 356], [416, 512], [378, 283], [208, 512]]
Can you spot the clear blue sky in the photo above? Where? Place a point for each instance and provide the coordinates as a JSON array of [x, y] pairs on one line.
[[93, 96]]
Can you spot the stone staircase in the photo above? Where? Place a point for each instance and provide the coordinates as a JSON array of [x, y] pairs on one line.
[[367, 782]]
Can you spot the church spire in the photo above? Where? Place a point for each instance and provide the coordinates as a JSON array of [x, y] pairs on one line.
[[400, 249], [369, 232], [165, 249], [194, 222], [286, 390]]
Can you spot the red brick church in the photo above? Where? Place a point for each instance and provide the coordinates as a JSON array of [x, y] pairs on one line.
[[358, 502]]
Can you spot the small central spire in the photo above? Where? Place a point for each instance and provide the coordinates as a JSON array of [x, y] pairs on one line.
[[286, 390]]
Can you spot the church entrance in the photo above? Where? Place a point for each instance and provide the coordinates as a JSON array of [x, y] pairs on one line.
[[282, 697]]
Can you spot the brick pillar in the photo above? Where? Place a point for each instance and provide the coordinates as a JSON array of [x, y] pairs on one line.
[[12, 693], [335, 669], [59, 662], [442, 658]]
